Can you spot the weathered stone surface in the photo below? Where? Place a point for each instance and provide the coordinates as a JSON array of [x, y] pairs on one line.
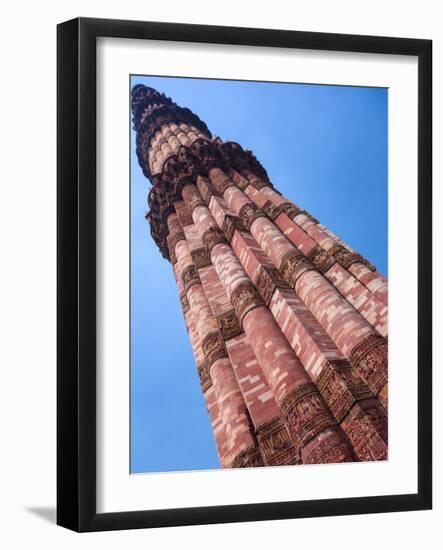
[[287, 323]]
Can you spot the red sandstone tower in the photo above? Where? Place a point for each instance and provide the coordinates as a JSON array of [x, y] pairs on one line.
[[287, 323]]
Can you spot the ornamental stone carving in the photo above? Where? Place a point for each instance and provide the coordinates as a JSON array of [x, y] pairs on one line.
[[341, 387], [248, 458], [292, 265], [211, 237], [306, 414], [244, 298], [204, 376], [369, 358], [184, 302], [268, 279], [190, 277], [248, 213], [346, 258], [230, 224], [228, 324], [214, 348], [200, 257], [321, 259], [275, 444]]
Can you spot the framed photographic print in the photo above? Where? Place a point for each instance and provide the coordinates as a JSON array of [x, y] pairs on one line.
[[232, 203]]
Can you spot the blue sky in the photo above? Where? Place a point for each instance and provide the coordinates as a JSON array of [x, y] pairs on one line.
[[325, 148]]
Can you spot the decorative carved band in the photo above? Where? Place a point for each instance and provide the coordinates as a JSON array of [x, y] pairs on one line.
[[239, 180], [205, 376], [220, 181], [341, 387], [211, 237], [321, 259], [366, 430], [172, 239], [292, 265], [268, 279], [190, 277], [184, 302], [213, 347], [207, 190], [346, 258], [250, 212], [200, 257], [229, 325], [192, 197], [306, 414], [230, 224], [370, 360], [244, 298], [329, 450], [291, 210], [275, 444], [273, 210], [255, 180], [183, 213], [248, 458], [207, 154], [172, 256], [178, 171]]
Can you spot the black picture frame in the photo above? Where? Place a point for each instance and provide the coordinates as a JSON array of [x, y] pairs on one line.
[[76, 274]]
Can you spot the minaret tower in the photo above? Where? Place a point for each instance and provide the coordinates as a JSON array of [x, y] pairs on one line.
[[287, 323]]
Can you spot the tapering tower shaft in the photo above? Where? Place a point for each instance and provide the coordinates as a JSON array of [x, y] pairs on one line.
[[287, 323]]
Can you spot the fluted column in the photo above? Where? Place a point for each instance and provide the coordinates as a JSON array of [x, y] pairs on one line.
[[241, 438], [349, 398], [365, 348], [311, 424], [328, 255], [274, 441]]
